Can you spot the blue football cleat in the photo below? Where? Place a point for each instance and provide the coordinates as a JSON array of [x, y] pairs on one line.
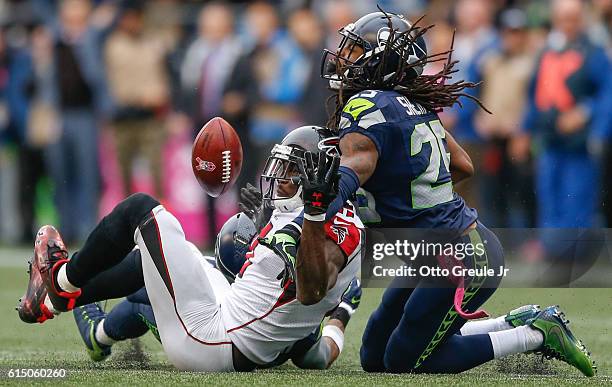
[[87, 318], [352, 296], [560, 343]]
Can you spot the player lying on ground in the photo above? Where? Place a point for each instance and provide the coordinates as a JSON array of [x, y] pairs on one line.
[[258, 317], [395, 147], [134, 316]]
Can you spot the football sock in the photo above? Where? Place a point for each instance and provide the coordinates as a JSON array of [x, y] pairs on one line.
[[49, 306], [102, 337], [485, 326], [517, 340], [62, 280]]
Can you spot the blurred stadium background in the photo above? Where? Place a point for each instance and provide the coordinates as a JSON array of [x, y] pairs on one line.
[[99, 99]]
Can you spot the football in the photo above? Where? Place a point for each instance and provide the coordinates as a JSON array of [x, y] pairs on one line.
[[216, 157]]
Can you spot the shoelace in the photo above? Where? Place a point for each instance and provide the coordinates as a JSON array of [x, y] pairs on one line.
[[91, 312], [55, 254], [58, 253]]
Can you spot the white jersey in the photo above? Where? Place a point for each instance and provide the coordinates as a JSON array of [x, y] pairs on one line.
[[261, 316]]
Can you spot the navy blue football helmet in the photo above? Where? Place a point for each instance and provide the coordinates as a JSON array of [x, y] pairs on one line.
[[233, 243], [392, 53]]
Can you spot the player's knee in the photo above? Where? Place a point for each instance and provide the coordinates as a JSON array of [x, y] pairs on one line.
[[142, 202], [139, 296], [402, 350], [369, 362], [397, 363], [372, 345], [137, 206]]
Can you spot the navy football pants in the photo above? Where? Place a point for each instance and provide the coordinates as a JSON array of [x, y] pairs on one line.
[[417, 329]]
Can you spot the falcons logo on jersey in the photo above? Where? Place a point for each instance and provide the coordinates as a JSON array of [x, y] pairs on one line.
[[340, 229], [340, 232]]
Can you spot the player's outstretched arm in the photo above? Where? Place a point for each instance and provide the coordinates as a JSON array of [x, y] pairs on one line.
[[316, 267], [461, 166], [318, 263]]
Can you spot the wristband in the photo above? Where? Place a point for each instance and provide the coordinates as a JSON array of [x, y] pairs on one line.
[[315, 218]]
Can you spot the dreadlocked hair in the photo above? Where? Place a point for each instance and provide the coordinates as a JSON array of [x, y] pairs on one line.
[[431, 91]]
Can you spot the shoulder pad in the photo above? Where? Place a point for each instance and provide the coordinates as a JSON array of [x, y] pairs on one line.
[[365, 109]]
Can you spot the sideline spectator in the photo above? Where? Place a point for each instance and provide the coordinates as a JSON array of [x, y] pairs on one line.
[[79, 86], [139, 86], [206, 68], [306, 31], [567, 88], [475, 38], [505, 73], [208, 62], [15, 72], [265, 85]]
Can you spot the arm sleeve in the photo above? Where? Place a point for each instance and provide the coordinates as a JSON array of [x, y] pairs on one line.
[[349, 184]]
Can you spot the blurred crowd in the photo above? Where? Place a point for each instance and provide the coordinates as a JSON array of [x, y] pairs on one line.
[[142, 72]]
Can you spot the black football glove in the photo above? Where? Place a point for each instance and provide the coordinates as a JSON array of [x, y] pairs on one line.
[[251, 200], [252, 204], [284, 243], [319, 178]]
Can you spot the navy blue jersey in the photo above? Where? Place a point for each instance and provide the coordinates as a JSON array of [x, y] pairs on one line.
[[411, 185]]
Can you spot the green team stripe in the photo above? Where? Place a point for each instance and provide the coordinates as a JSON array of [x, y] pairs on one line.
[[152, 327], [480, 261], [357, 106], [451, 315]]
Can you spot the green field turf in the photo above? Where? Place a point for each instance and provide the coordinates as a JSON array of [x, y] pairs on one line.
[[56, 344]]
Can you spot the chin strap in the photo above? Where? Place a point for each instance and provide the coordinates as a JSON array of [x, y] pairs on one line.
[[289, 204]]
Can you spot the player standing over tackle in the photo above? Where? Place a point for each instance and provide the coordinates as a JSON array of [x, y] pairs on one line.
[[204, 323], [395, 147]]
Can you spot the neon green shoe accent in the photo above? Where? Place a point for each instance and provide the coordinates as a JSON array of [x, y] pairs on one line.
[[152, 327], [521, 315], [96, 353], [560, 343]]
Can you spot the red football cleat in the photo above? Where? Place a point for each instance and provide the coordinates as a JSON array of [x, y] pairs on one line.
[[32, 307], [49, 254]]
